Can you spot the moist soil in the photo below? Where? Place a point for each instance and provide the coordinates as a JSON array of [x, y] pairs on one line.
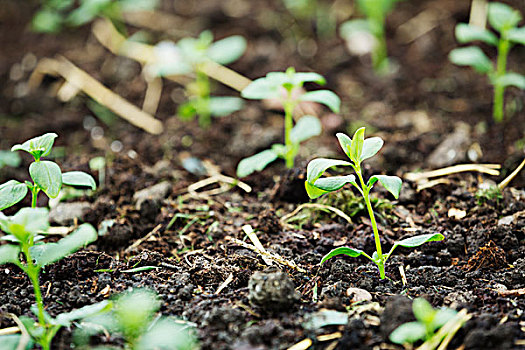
[[193, 241]]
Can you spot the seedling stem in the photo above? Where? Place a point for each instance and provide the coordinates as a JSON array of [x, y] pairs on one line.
[[499, 88]]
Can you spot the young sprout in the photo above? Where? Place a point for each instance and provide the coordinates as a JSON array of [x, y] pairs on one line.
[[24, 237], [429, 320], [286, 87], [189, 56], [504, 20], [376, 12], [46, 175], [358, 149]]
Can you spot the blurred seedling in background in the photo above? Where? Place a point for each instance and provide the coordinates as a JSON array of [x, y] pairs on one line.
[[8, 158], [25, 232], [504, 20], [133, 314], [54, 15], [189, 56], [99, 164], [319, 13], [369, 35], [358, 149], [428, 321], [46, 175], [286, 87]]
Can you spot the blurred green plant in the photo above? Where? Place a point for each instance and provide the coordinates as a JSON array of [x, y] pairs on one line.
[[8, 158], [315, 12], [376, 12], [504, 20], [286, 87]]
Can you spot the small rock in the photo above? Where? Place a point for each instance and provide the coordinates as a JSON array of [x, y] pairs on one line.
[[507, 220], [66, 213], [358, 295], [453, 149], [156, 193], [272, 290]]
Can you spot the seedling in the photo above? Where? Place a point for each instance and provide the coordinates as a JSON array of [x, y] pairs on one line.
[[429, 320], [133, 315], [46, 175], [376, 12], [504, 20], [358, 149], [316, 12], [286, 88], [10, 159], [24, 237], [189, 56]]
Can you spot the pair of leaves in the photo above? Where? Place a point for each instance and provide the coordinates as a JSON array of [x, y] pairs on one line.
[[25, 223], [307, 127], [38, 146], [358, 148], [503, 17]]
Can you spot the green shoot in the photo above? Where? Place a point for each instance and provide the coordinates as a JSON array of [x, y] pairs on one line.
[[376, 12], [285, 87], [358, 149], [46, 175], [504, 20]]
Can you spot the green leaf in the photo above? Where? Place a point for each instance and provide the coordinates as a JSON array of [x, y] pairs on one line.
[[517, 35], [45, 254], [78, 178], [12, 341], [48, 176], [512, 79], [333, 183], [47, 21], [503, 17], [356, 147], [416, 241], [423, 311], [256, 162], [9, 254], [326, 97], [66, 318], [39, 146], [167, 334], [441, 317], [227, 50], [10, 159], [345, 143], [351, 252], [307, 77], [409, 332], [318, 166], [391, 183], [371, 146], [11, 193], [466, 33], [25, 223], [307, 127], [471, 56], [134, 310], [221, 106], [261, 89]]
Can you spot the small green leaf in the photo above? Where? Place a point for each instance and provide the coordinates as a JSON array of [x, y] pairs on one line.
[[512, 79], [25, 223], [517, 35], [9, 158], [345, 143], [326, 97], [221, 106], [48, 253], [12, 342], [39, 146], [9, 254], [135, 310], [307, 127], [256, 162], [356, 147], [166, 333], [307, 77], [318, 166], [466, 33], [371, 146], [351, 252], [502, 17], [48, 176], [423, 311], [261, 89], [78, 178], [227, 50], [409, 332], [442, 316], [66, 318], [334, 183], [471, 56], [391, 183], [416, 241], [47, 21], [11, 193]]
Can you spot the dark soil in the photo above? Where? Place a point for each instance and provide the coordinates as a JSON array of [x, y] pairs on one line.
[[479, 266]]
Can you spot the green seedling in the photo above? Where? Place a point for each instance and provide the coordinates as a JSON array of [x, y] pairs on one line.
[[317, 12], [429, 320], [286, 87], [24, 236], [190, 56], [134, 316], [358, 149], [504, 20], [46, 175], [8, 158], [376, 12]]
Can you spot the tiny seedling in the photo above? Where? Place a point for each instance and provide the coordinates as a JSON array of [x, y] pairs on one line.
[[376, 12], [133, 314], [8, 158], [358, 149], [504, 20], [286, 87], [24, 236], [320, 14], [429, 320], [46, 175], [189, 56]]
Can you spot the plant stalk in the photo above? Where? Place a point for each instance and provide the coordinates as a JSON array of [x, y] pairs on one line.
[[203, 98], [499, 89], [289, 106], [34, 196]]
